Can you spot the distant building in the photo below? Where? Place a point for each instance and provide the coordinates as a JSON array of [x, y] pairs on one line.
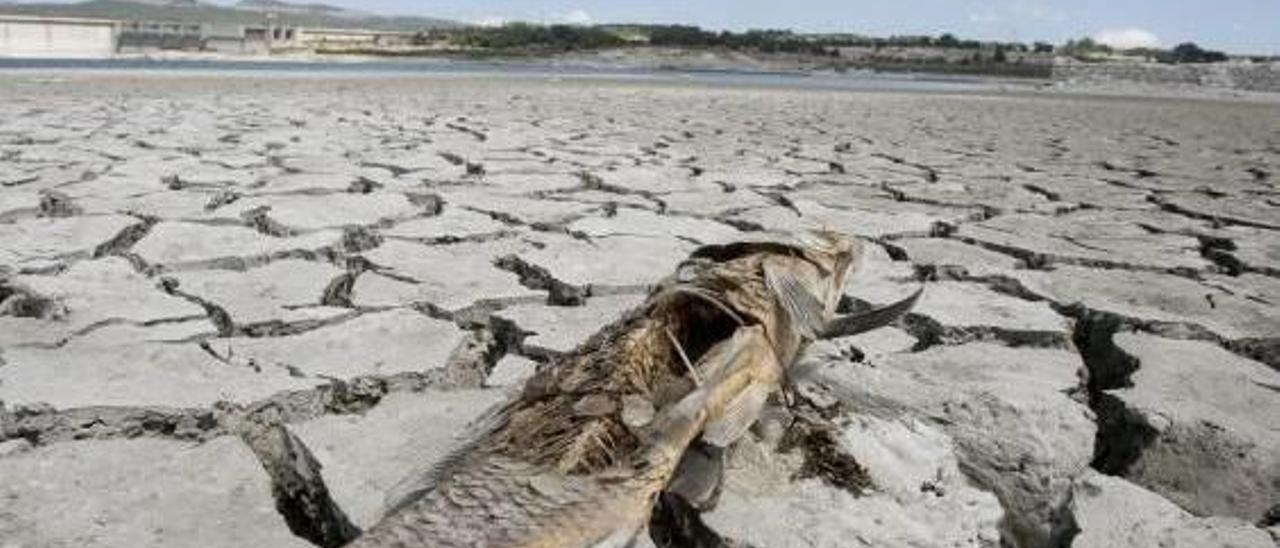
[[340, 39], [153, 35], [23, 36], [249, 39]]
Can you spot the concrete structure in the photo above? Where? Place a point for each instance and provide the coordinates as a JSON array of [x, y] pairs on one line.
[[233, 42], [236, 39], [1234, 75], [151, 35], [22, 36], [270, 38], [949, 60], [322, 38]]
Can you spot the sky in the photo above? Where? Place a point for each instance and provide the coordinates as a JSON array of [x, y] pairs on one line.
[[1237, 26]]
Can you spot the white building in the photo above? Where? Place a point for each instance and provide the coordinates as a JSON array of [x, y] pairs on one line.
[[322, 38], [23, 36]]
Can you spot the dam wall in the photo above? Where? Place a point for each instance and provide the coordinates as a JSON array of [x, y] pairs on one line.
[[1241, 76], [22, 36]]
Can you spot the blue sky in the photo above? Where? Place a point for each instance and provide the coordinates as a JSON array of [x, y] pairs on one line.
[[1245, 26], [1239, 26]]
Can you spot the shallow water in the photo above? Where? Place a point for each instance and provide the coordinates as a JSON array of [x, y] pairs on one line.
[[859, 80]]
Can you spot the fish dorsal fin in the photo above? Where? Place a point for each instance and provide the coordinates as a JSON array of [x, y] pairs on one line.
[[854, 324], [741, 413], [803, 307]]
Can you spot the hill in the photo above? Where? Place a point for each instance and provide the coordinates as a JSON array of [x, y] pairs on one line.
[[279, 6], [247, 12]]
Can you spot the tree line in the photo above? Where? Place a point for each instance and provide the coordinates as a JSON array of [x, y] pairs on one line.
[[561, 37], [1186, 52]]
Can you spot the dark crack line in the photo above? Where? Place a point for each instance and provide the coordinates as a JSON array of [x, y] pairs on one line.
[[42, 424], [983, 212], [540, 279], [302, 498], [929, 333], [929, 173], [1040, 261], [1265, 350], [1217, 220]]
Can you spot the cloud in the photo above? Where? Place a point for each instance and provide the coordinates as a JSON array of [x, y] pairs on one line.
[[1018, 11], [577, 17], [985, 17], [491, 21], [1036, 10], [1127, 38]]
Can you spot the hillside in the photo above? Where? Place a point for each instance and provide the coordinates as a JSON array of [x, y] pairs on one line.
[[310, 8], [247, 12]]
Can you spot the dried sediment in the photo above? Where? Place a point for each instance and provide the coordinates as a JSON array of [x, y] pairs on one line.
[[1064, 234]]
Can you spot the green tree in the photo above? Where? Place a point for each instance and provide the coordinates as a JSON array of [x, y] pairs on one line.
[[1189, 52]]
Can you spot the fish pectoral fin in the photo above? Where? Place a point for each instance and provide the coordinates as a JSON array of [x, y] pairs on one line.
[[728, 368], [803, 307], [700, 476], [738, 416], [854, 324]]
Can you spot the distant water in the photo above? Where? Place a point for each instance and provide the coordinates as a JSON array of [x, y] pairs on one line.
[[858, 80]]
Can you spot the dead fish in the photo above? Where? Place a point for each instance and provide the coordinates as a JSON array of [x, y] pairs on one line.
[[580, 455]]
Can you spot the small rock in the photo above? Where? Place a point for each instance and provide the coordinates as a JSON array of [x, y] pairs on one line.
[[357, 239], [430, 204], [57, 204], [363, 185]]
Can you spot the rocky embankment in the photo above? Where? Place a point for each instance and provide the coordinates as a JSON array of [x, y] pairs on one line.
[[189, 262], [1258, 77]]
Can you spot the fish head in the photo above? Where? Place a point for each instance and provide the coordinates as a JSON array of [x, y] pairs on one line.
[[790, 287], [802, 288], [838, 257]]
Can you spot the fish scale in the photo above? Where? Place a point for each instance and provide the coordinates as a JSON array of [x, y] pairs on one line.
[[557, 466]]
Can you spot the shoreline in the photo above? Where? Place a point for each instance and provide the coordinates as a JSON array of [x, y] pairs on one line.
[[311, 66]]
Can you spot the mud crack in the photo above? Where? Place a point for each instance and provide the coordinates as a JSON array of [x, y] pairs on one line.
[[302, 498], [540, 279]]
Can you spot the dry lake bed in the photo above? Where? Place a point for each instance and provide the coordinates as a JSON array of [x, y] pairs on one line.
[[189, 260]]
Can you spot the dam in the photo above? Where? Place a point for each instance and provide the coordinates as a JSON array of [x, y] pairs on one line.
[[24, 36]]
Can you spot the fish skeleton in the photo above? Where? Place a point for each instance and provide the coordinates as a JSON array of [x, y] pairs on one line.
[[579, 456]]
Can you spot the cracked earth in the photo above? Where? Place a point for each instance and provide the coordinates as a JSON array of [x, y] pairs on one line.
[[189, 263]]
